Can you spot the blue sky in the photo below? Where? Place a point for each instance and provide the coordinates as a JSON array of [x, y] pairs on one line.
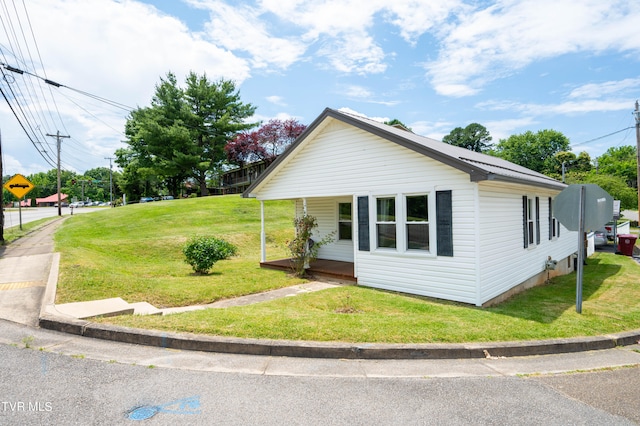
[[512, 66]]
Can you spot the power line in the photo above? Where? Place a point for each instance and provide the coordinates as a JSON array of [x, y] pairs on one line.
[[602, 137], [56, 84]]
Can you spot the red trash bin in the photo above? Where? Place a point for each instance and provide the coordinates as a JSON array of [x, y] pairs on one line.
[[626, 242]]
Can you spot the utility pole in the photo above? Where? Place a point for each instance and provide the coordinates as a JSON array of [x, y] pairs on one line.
[[110, 181], [1, 198], [58, 143], [637, 116]]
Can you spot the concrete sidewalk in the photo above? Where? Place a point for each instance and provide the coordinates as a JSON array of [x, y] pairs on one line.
[[25, 266], [30, 263]]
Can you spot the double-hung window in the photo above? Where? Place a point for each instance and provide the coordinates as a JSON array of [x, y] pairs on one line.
[[345, 222], [554, 225], [531, 221], [417, 222], [386, 222]]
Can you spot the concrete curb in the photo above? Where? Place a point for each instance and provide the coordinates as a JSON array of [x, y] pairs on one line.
[[51, 319], [335, 350]]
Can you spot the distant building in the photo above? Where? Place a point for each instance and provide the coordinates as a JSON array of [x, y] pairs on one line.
[[236, 181], [52, 200]]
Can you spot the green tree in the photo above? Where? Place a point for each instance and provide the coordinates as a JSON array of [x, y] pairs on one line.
[[182, 134], [535, 151], [620, 161], [568, 161], [216, 115], [399, 124], [474, 137], [614, 185]]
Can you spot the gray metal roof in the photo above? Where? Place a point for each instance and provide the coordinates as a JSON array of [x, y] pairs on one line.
[[479, 166]]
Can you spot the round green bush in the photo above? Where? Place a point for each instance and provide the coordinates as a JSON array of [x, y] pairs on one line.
[[203, 252]]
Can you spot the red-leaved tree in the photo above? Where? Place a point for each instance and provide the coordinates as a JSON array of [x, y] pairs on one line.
[[244, 149], [264, 143]]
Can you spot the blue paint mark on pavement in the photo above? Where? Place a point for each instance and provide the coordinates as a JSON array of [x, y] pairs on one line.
[[189, 405]]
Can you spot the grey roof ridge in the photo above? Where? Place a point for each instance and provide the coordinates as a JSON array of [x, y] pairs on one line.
[[449, 154]]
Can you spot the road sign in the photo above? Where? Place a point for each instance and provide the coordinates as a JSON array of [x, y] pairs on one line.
[[598, 207], [579, 208], [19, 186]]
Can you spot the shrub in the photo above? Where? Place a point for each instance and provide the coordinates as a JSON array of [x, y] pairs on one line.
[[203, 252], [303, 248]]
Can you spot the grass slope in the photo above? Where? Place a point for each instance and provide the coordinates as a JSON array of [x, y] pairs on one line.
[[135, 253]]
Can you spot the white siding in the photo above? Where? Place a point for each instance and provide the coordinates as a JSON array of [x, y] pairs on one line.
[[326, 211], [339, 162], [504, 261], [344, 160], [452, 278]]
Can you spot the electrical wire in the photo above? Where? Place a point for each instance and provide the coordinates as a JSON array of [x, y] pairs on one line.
[[23, 89], [602, 137]]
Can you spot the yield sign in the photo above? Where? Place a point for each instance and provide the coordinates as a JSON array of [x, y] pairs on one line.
[[19, 186]]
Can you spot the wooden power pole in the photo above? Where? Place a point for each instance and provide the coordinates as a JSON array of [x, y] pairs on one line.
[[58, 137], [1, 198]]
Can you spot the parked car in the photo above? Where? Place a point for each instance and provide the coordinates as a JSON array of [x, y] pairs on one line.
[[146, 199], [600, 238]]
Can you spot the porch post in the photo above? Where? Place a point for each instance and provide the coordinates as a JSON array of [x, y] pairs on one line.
[[263, 236], [306, 244]]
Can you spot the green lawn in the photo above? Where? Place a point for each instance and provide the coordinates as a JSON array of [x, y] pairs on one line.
[[135, 252]]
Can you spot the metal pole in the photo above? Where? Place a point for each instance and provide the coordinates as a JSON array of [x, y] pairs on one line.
[[581, 249], [20, 211], [637, 115], [58, 144], [110, 181], [1, 198], [263, 235]]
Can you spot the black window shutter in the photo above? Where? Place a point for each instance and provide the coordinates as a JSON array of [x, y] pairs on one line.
[[525, 231], [537, 220], [444, 223], [550, 219], [363, 223]]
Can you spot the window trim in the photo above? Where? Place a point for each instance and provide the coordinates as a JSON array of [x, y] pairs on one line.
[[377, 222], [401, 249], [531, 221], [350, 221], [408, 223]]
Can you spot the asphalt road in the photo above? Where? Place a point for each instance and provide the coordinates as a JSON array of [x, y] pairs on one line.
[[39, 387], [30, 214]]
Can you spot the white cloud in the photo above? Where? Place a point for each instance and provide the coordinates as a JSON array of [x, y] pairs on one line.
[[239, 28], [416, 17], [598, 90], [357, 92], [563, 108], [348, 110], [113, 49], [432, 129], [502, 129], [501, 39], [276, 100]]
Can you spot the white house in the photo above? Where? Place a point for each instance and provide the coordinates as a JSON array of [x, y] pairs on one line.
[[415, 215]]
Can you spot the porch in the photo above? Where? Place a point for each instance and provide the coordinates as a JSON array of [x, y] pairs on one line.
[[332, 270]]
